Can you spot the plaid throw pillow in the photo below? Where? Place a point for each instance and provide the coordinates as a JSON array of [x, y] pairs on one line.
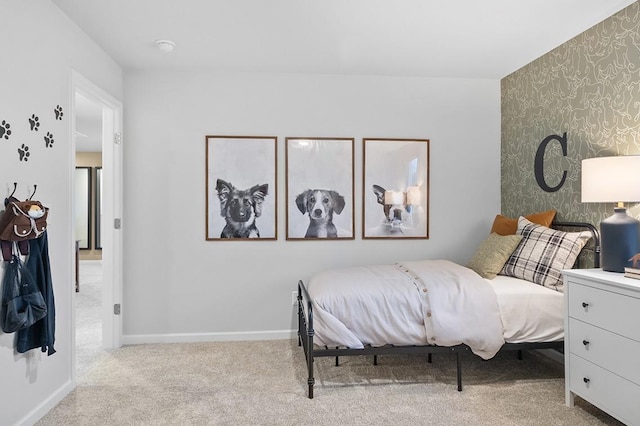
[[543, 253]]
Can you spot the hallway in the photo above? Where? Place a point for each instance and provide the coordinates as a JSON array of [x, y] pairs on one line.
[[89, 317]]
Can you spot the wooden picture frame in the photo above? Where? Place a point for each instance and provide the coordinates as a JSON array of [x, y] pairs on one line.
[[241, 188], [319, 188], [395, 191]]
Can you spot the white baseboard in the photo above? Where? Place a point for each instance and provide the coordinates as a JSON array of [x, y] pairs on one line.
[[139, 339], [47, 405]]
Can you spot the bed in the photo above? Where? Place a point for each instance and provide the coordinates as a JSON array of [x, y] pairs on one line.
[[438, 306]]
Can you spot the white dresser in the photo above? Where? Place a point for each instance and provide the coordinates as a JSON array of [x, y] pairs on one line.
[[602, 341]]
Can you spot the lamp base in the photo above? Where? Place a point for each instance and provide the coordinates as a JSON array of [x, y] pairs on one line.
[[619, 239]]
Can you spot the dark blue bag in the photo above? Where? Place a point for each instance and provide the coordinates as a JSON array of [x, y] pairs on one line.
[[22, 303]]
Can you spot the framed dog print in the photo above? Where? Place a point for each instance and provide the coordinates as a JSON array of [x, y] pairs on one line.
[[241, 188], [395, 188], [319, 188]]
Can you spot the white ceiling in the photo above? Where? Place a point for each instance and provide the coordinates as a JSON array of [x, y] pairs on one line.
[[431, 38], [425, 38]]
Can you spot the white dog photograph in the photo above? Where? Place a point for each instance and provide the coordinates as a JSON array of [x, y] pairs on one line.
[[395, 188]]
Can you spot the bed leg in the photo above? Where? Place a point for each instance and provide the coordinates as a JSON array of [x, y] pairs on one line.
[[337, 362], [520, 354], [429, 358], [459, 371], [310, 380], [375, 360], [309, 349]]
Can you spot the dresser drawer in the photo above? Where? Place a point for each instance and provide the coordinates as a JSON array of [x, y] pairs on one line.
[[609, 392], [608, 350], [605, 309]]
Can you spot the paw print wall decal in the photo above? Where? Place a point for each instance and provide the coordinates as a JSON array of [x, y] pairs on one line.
[[24, 153], [48, 140], [34, 122], [4, 130], [58, 112]]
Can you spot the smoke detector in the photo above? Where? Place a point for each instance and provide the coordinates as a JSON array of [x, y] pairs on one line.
[[165, 45]]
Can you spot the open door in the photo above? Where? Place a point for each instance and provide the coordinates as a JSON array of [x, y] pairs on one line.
[[111, 206]]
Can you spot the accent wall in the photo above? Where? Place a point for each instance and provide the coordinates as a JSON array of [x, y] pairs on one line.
[[588, 88]]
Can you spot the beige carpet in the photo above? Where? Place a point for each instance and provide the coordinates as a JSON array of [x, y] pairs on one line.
[[264, 383], [88, 302]]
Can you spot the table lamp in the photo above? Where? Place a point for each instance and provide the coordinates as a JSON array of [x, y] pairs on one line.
[[614, 180]]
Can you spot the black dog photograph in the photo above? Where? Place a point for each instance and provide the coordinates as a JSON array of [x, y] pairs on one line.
[[240, 208], [241, 188]]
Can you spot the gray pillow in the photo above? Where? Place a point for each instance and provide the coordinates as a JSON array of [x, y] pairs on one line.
[[492, 254]]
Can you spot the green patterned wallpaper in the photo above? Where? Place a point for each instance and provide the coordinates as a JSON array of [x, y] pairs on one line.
[[589, 87]]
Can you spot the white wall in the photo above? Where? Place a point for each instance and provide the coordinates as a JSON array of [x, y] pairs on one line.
[[40, 47], [177, 286]]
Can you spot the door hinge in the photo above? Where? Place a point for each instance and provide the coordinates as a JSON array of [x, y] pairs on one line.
[[117, 223], [116, 309], [117, 138]]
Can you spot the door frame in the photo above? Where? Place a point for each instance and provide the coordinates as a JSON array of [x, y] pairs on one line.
[[111, 238]]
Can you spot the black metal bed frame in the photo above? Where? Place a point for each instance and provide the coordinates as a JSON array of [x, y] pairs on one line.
[[306, 331]]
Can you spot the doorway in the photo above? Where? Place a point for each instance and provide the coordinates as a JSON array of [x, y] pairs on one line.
[[96, 127], [89, 285]]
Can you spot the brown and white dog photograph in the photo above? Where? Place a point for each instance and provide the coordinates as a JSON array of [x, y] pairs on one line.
[[320, 205], [320, 188], [240, 208]]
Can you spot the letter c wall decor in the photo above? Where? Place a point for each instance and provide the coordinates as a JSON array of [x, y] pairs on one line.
[[539, 162]]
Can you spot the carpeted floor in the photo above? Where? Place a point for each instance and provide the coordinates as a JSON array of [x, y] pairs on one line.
[[264, 383], [89, 316]]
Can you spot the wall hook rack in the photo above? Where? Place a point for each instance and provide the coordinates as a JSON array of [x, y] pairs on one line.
[[35, 188], [15, 186]]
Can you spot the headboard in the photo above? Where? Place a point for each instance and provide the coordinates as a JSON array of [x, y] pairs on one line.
[[590, 254]]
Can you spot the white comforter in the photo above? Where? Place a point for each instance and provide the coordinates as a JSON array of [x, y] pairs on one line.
[[424, 302]]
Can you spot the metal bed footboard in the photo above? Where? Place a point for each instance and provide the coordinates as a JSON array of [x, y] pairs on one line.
[[306, 333]]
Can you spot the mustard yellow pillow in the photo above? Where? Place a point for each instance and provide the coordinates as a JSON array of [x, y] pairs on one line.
[[503, 225], [492, 254]]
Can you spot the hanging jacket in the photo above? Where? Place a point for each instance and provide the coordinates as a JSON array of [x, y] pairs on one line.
[[42, 333]]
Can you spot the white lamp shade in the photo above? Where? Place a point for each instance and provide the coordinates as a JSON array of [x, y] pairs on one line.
[[611, 179]]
